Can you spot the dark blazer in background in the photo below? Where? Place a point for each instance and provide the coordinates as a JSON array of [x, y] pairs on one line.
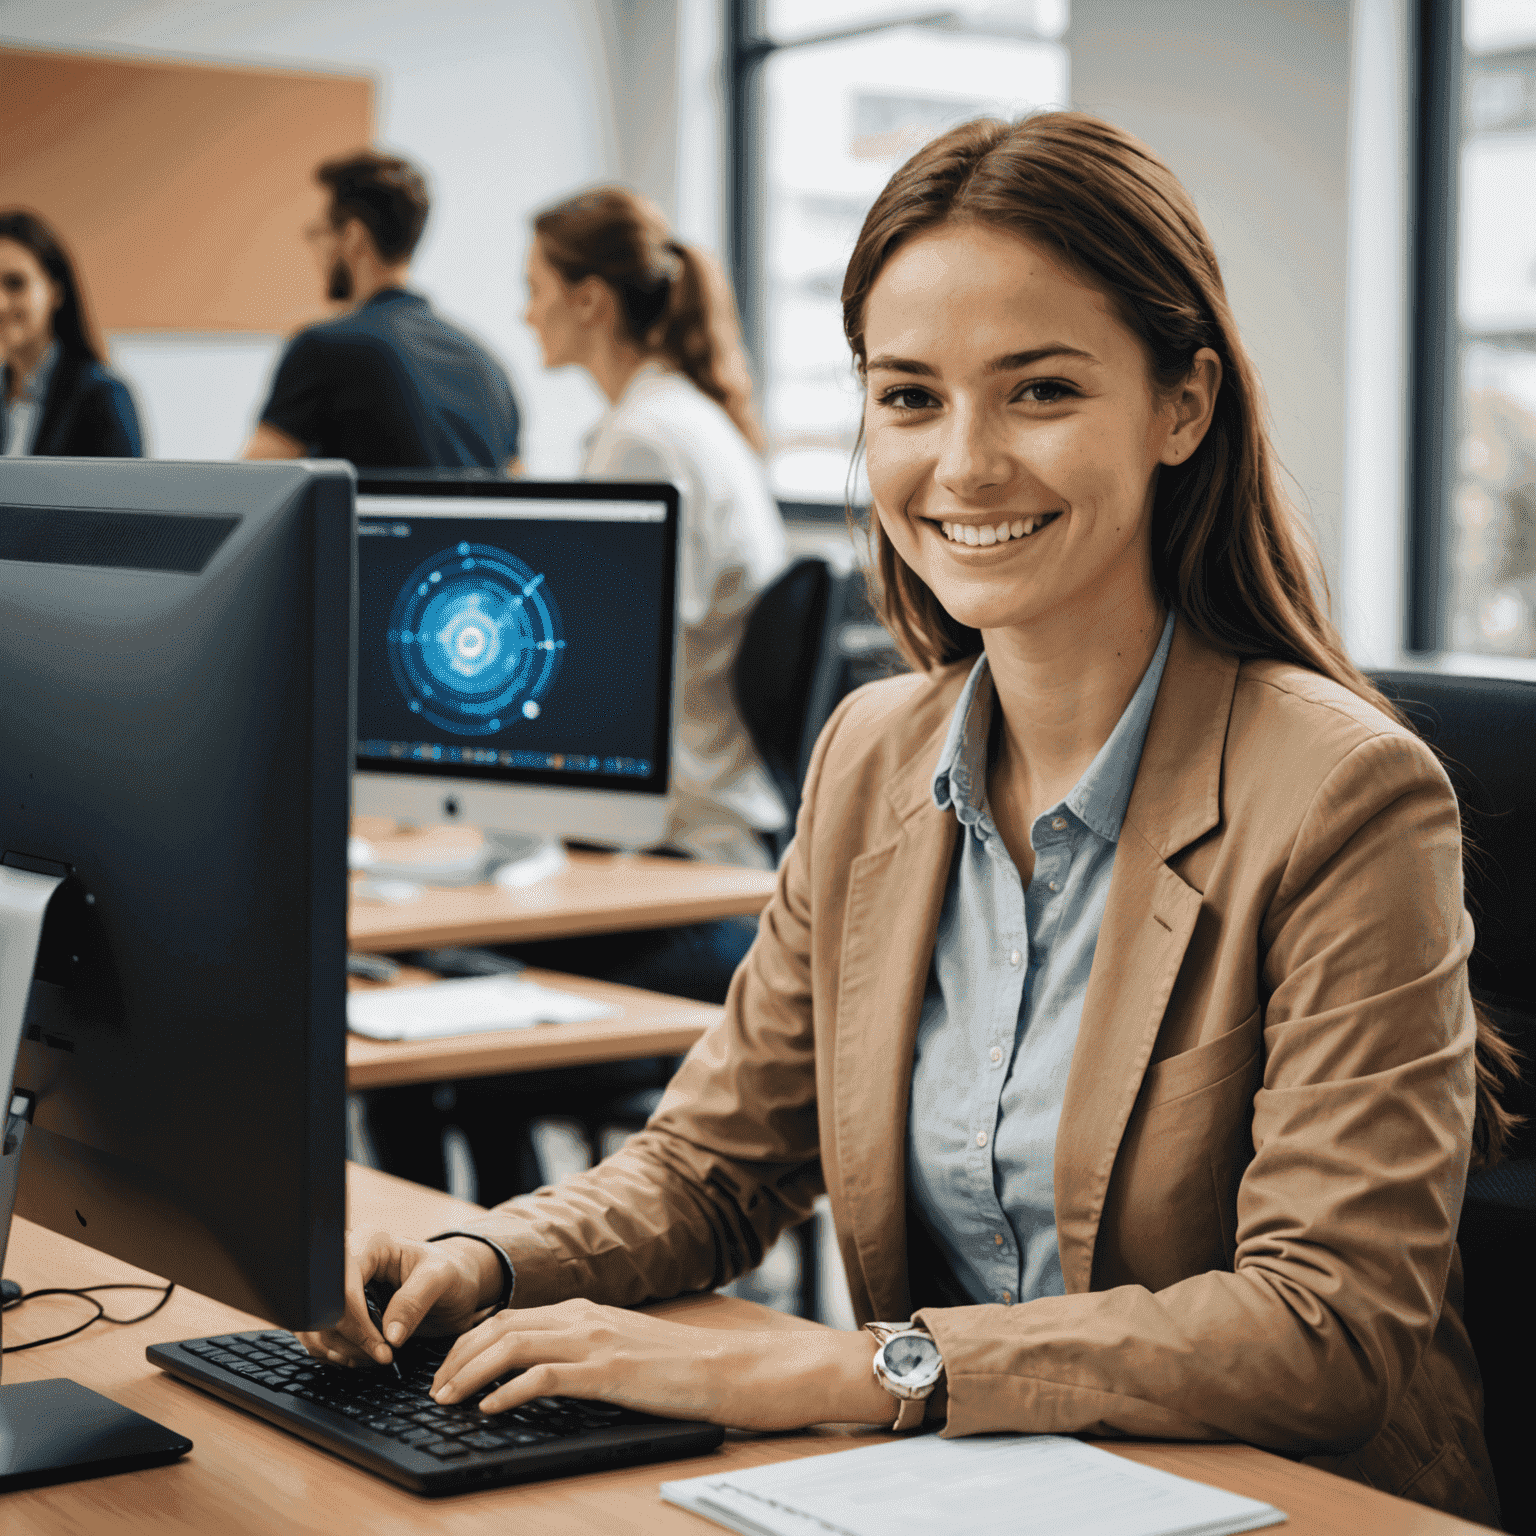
[[87, 413]]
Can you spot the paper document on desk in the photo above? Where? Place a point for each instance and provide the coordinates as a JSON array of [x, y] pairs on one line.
[[471, 1006], [1011, 1485]]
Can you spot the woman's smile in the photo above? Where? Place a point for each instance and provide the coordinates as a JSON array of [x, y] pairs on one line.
[[992, 532]]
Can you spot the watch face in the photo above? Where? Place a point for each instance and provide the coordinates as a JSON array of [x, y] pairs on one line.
[[910, 1354]]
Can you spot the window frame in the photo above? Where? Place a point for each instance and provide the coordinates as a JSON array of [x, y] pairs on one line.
[[1435, 353]]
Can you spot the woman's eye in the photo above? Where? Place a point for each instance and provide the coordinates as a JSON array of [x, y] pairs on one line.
[[907, 397], [1047, 392]]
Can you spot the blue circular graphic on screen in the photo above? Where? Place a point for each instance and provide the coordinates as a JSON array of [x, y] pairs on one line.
[[474, 638]]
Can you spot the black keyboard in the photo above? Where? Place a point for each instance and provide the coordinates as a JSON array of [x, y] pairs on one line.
[[386, 1421]]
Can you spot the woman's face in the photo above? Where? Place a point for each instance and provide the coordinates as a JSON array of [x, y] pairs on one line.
[[551, 315], [28, 298], [1013, 433]]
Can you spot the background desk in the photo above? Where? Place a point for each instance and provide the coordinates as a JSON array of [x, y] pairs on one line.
[[245, 1476], [594, 893], [647, 1024]]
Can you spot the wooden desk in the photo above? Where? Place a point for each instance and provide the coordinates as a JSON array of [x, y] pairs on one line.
[[245, 1476], [594, 893], [648, 1024]]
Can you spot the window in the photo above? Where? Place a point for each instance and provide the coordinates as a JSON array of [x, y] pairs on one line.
[[831, 96], [1489, 544]]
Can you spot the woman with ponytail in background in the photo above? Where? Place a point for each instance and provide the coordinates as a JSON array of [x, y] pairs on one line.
[[653, 322]]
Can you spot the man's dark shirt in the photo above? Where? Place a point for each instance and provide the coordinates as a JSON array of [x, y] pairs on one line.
[[392, 386]]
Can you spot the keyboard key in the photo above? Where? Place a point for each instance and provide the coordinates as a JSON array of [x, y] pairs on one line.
[[418, 1436], [200, 1347], [446, 1450], [483, 1441]]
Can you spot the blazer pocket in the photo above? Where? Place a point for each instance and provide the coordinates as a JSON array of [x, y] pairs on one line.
[[1176, 1077]]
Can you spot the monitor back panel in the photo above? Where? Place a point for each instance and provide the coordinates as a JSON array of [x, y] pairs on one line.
[[176, 732]]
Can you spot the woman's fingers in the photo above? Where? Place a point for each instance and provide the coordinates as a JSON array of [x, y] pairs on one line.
[[432, 1277], [565, 1334], [584, 1318], [354, 1340]]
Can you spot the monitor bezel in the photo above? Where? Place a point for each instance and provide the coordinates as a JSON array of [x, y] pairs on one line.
[[486, 487]]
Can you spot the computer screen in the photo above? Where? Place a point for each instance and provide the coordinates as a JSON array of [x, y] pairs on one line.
[[515, 653], [175, 752]]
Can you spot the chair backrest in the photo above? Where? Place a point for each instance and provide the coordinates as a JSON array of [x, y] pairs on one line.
[[1484, 729], [1485, 732], [779, 665]]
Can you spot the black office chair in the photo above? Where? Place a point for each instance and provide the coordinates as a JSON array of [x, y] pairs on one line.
[[785, 673], [1485, 732]]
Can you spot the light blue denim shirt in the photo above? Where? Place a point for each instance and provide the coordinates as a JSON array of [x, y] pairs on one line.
[[1004, 1001]]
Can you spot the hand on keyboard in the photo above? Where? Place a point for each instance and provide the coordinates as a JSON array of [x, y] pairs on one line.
[[437, 1290]]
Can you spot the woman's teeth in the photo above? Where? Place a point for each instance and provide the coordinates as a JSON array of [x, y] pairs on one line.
[[1019, 528]]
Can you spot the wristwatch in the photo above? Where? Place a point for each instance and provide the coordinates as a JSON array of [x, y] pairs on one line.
[[909, 1366]]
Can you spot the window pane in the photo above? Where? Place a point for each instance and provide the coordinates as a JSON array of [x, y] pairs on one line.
[[840, 117], [1492, 608], [785, 20]]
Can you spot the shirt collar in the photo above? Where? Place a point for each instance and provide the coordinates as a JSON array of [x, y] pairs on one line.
[[1098, 799], [36, 385], [393, 295]]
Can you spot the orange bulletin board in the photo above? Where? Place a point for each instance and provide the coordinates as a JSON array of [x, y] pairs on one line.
[[181, 189]]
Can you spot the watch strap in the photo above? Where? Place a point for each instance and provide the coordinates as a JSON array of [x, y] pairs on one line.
[[912, 1412], [508, 1274]]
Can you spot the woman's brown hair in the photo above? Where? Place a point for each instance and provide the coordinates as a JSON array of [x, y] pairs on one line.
[[1228, 555], [674, 300]]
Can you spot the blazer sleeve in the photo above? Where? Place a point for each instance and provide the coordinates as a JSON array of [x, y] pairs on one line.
[[729, 1160], [1346, 1215]]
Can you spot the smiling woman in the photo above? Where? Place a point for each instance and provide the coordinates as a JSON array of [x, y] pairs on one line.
[[1115, 986]]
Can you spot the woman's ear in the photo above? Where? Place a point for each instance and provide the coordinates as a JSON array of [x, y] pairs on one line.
[[591, 301], [1194, 403]]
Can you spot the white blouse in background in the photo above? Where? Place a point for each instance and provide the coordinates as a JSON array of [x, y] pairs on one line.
[[731, 546]]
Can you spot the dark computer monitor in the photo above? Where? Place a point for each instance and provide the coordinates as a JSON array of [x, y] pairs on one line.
[[175, 751], [515, 653]]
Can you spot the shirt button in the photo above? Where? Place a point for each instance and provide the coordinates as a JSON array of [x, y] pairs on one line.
[[1014, 957], [981, 1138], [1008, 1298], [1052, 885], [996, 1053], [997, 1237], [1058, 823]]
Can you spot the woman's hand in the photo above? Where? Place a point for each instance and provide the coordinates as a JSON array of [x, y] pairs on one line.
[[772, 1380], [437, 1288]]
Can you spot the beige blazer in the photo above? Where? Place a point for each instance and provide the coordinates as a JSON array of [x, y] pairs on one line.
[[1265, 1133]]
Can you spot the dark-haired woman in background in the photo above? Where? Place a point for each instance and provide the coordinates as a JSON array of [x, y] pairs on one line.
[[59, 399]]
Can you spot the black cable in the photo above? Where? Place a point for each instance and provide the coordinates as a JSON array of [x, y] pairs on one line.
[[84, 1292]]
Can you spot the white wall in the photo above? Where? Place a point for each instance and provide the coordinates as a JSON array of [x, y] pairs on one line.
[[1248, 102], [508, 104]]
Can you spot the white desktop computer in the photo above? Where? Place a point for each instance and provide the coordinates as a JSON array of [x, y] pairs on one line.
[[515, 655]]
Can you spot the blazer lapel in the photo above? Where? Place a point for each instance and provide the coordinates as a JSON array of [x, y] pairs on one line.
[[895, 895], [54, 419], [1149, 918]]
